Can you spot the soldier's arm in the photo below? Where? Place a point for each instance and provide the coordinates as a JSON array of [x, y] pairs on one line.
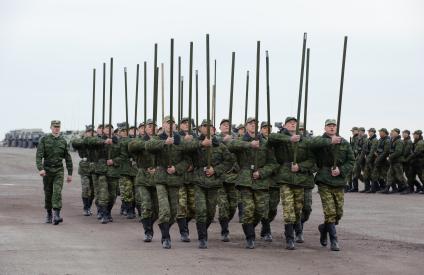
[[191, 146], [387, 146], [77, 143], [136, 146], [347, 166], [93, 142], [182, 166], [68, 159], [154, 145], [40, 155], [276, 138], [271, 163], [319, 142], [309, 164], [398, 152], [237, 145]]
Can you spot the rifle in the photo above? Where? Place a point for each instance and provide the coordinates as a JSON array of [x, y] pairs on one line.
[[94, 101], [214, 95], [268, 107], [230, 112], [179, 89], [247, 96], [208, 95], [104, 95], [305, 112], [163, 90], [258, 59], [155, 88], [145, 94], [190, 82], [136, 99], [171, 86], [197, 101]]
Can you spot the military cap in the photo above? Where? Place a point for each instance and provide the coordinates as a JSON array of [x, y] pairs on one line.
[[418, 132], [122, 126], [100, 126], [372, 130], [184, 119], [330, 121], [406, 131], [55, 123], [362, 129], [224, 120], [149, 121], [290, 118], [265, 124], [205, 123], [384, 130], [396, 130], [354, 129], [250, 119], [141, 125], [89, 128], [132, 127], [240, 126], [108, 126], [116, 131], [168, 119]]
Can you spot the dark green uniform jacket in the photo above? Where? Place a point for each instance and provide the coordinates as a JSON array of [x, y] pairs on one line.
[[396, 150], [370, 147], [102, 155], [125, 159], [382, 151], [231, 175], [50, 154], [144, 159], [86, 164]]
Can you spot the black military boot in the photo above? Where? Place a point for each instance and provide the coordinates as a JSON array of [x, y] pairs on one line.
[[131, 211], [86, 209], [382, 184], [56, 217], [289, 234], [386, 190], [355, 185], [249, 232], [333, 237], [49, 216], [298, 228], [419, 187], [224, 230], [104, 219], [124, 209], [375, 187], [322, 228], [166, 238], [408, 190], [202, 234], [183, 226], [99, 212], [266, 230], [148, 230], [367, 187], [394, 188]]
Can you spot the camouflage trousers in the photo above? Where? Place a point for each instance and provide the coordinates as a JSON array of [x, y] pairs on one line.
[[412, 172], [227, 201], [147, 198], [357, 168], [107, 190], [206, 201], [186, 202], [167, 202], [292, 198], [255, 205], [395, 174], [369, 167], [87, 187], [53, 183], [332, 199], [95, 179], [307, 205], [126, 188], [379, 172], [274, 200]]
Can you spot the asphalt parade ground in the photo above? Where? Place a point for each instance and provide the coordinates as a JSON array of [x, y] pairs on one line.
[[379, 234]]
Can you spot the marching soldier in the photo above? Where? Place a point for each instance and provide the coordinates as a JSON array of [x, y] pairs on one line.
[[51, 151], [369, 149], [407, 151], [354, 144], [359, 159], [381, 164], [395, 177], [416, 162]]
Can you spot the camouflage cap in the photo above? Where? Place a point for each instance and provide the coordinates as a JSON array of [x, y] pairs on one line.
[[396, 130], [406, 131], [184, 119], [150, 121], [372, 130], [168, 119], [418, 132], [55, 123], [330, 121], [141, 125], [362, 129], [265, 124], [250, 119], [122, 126], [290, 118], [384, 130], [205, 123], [240, 126], [108, 126], [89, 128], [354, 129], [224, 120], [100, 126], [116, 131]]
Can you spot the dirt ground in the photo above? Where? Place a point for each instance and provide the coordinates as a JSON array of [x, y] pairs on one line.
[[379, 234]]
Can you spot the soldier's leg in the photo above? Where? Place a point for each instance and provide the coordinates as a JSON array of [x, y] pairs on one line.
[[95, 178], [224, 212], [164, 214], [211, 202], [356, 176], [248, 218], [289, 215], [103, 198], [137, 199], [145, 200], [191, 207], [128, 196], [201, 216], [261, 200], [124, 207], [375, 186], [48, 191], [182, 213], [299, 198], [274, 200], [113, 192], [231, 190], [86, 194], [57, 197], [391, 181], [338, 198], [367, 178], [329, 210], [399, 176], [90, 178], [173, 202]]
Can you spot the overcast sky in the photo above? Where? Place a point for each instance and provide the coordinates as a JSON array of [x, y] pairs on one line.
[[49, 48]]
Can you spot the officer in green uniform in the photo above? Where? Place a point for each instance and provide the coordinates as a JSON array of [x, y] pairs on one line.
[[227, 195], [381, 164], [51, 151], [274, 194], [395, 178], [167, 171], [207, 179], [293, 176], [85, 170], [145, 188], [369, 148], [334, 163], [416, 162]]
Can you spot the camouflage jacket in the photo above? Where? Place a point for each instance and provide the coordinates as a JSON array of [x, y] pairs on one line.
[[370, 148], [354, 144], [101, 151], [165, 156], [360, 154], [272, 182], [265, 160], [220, 159], [407, 149], [190, 157], [382, 151], [127, 166], [86, 164], [144, 160], [416, 159], [284, 152], [232, 174], [50, 154], [326, 153], [396, 150]]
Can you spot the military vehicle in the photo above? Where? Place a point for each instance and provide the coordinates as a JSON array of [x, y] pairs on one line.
[[24, 138]]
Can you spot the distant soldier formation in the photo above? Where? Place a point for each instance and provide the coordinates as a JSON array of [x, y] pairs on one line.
[[186, 169]]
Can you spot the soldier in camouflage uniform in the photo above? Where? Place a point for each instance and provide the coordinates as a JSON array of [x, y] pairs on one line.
[[359, 159], [186, 197], [227, 195], [107, 171], [354, 144], [145, 188], [85, 170], [240, 130], [381, 164], [416, 162], [331, 180], [167, 172], [207, 180], [274, 194], [369, 148], [407, 151], [293, 176], [51, 151], [395, 177], [128, 172]]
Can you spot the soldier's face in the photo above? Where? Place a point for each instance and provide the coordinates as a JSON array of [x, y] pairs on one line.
[[132, 132], [166, 126], [184, 126], [264, 131], [149, 129], [204, 130], [291, 125], [250, 127], [394, 134], [370, 133], [99, 131], [123, 133], [382, 134], [361, 133], [331, 129], [355, 132], [88, 133], [416, 137], [55, 130], [241, 131], [106, 131], [405, 135], [141, 130], [225, 128]]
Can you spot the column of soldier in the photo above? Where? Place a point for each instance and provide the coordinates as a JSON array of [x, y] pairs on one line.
[[179, 173], [387, 165]]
